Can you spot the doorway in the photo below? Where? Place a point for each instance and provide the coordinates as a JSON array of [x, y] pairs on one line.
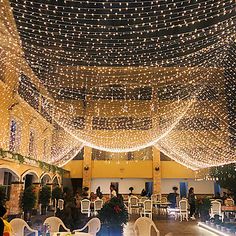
[[77, 184]]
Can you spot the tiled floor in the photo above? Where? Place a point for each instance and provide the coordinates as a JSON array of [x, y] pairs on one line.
[[175, 228]]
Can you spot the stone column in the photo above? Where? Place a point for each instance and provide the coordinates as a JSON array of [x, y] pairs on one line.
[[37, 187], [156, 170], [87, 167], [15, 198]]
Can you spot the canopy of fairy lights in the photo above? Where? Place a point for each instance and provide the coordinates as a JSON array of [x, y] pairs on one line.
[[120, 76]]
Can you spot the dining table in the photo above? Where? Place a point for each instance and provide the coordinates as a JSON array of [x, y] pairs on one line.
[[161, 206], [228, 210], [70, 234]]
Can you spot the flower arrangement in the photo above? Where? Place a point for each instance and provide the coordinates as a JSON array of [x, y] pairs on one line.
[[114, 212]]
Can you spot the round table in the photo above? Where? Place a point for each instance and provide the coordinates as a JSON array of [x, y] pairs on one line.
[[228, 208]]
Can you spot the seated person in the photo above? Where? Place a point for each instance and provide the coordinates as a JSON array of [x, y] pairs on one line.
[[78, 198], [217, 196], [99, 193], [85, 194], [5, 227], [93, 197], [172, 197], [1, 227]]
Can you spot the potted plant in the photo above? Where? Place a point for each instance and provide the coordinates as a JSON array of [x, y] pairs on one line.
[[56, 193], [44, 198], [203, 206], [28, 201], [113, 216], [2, 195]]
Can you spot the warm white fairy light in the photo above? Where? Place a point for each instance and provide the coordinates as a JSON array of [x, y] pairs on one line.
[[120, 76]]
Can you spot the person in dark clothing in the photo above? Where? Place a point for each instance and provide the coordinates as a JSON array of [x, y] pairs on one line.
[[99, 193], [1, 227], [85, 193], [225, 196], [113, 191], [143, 193], [120, 197], [217, 195], [2, 213], [191, 201], [172, 197], [5, 227]]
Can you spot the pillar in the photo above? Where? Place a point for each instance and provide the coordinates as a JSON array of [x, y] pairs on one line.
[[156, 170], [15, 198], [87, 167]]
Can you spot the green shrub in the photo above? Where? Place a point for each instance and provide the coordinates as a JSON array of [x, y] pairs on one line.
[[225, 176], [28, 199], [44, 196], [113, 212], [203, 204], [56, 193]]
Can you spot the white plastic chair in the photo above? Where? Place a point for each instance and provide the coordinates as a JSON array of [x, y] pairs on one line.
[[147, 209], [85, 206], [133, 204], [219, 200], [177, 201], [143, 227], [54, 224], [60, 204], [183, 209], [18, 226], [93, 226], [216, 210], [154, 198], [164, 199], [229, 202], [163, 208], [98, 205]]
